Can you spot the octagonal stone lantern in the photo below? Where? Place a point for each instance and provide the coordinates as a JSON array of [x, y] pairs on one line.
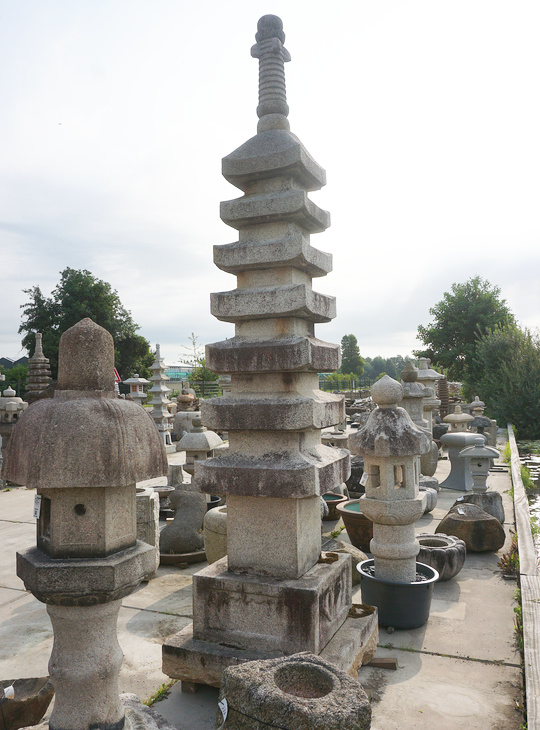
[[84, 450]]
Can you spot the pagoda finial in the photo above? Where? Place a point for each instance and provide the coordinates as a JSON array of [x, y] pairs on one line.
[[39, 346], [272, 54]]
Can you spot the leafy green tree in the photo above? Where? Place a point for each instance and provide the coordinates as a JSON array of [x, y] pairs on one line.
[[351, 362], [463, 315], [15, 378], [79, 294], [508, 366]]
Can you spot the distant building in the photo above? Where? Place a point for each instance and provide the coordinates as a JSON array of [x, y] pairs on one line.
[[178, 373], [7, 363]]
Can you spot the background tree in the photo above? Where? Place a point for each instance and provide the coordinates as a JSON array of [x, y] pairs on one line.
[[15, 378], [79, 294], [508, 372], [351, 362], [194, 358], [461, 318]]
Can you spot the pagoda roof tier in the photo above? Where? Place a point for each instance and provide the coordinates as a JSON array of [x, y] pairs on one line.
[[239, 355], [290, 249], [294, 475], [291, 205], [293, 300], [282, 412], [270, 154]]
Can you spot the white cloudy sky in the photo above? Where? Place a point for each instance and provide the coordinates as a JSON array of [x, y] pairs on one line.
[[424, 113]]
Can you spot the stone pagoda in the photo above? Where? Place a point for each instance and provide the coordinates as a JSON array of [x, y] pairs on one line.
[[271, 596], [160, 401], [39, 372], [429, 377]]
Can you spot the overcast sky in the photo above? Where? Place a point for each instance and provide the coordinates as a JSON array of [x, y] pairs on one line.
[[116, 114]]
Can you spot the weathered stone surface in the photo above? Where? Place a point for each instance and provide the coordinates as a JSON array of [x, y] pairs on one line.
[[148, 519], [292, 205], [300, 692], [296, 474], [480, 532], [460, 477], [30, 703], [490, 502], [241, 355], [267, 614], [293, 300], [85, 353], [445, 553], [431, 498], [83, 582], [291, 248], [357, 556], [281, 412], [215, 534], [185, 533], [72, 440], [290, 548]]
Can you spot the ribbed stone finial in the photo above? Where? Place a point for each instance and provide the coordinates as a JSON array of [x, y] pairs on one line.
[[272, 56], [38, 352], [409, 374], [386, 392], [86, 358]]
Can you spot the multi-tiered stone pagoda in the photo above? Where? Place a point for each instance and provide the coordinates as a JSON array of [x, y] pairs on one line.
[[39, 372], [271, 595]]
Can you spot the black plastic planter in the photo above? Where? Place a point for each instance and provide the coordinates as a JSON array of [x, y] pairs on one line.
[[401, 605]]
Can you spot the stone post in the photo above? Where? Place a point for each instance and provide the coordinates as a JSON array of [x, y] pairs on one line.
[[83, 450], [391, 444], [271, 594]]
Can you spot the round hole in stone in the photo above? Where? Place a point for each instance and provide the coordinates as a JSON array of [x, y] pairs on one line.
[[432, 542], [304, 680], [79, 509]]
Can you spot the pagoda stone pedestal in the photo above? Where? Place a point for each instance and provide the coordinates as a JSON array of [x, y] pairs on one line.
[[272, 595]]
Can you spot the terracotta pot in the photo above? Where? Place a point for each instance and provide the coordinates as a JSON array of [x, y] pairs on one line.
[[332, 500], [359, 527]]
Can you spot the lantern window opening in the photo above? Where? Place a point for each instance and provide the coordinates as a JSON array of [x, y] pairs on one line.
[[374, 476]]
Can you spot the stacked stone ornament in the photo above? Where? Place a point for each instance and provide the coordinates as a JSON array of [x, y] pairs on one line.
[[270, 595]]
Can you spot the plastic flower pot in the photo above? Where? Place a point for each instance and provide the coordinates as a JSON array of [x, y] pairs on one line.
[[400, 605]]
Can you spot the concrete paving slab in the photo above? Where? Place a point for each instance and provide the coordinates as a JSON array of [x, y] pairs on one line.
[[25, 637], [17, 504], [14, 536], [169, 592], [427, 692]]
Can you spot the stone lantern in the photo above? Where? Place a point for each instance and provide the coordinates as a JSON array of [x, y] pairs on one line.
[[84, 450], [414, 398], [11, 408], [457, 438], [477, 407], [199, 445], [458, 420], [136, 388], [479, 458], [391, 444]]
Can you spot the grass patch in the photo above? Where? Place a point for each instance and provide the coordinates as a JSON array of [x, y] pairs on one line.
[[509, 561], [507, 452], [337, 531], [160, 693]]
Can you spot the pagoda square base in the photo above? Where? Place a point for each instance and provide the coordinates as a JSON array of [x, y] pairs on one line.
[[197, 662], [260, 613]]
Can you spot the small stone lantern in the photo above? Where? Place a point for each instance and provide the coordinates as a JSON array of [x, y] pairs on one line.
[[84, 450], [136, 388], [429, 377], [481, 458], [477, 407], [199, 445], [458, 420], [391, 444]]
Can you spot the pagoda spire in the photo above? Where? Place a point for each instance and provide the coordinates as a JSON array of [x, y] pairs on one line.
[[272, 56]]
